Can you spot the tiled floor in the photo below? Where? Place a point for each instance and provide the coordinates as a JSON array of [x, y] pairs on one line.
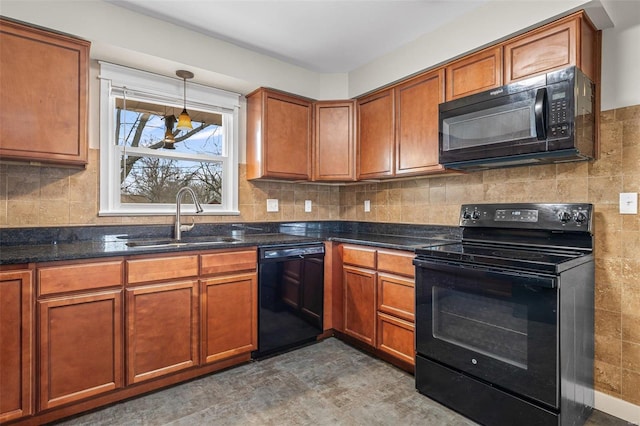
[[328, 383]]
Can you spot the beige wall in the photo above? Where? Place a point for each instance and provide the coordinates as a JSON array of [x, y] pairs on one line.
[[47, 196]]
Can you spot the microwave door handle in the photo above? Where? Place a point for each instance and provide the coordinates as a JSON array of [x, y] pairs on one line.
[[540, 110]]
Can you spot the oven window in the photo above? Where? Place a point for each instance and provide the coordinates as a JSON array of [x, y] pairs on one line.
[[494, 125], [494, 327]]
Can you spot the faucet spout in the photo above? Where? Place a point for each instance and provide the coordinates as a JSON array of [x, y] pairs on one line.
[[179, 228]]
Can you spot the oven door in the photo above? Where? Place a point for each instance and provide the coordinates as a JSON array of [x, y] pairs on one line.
[[497, 326]]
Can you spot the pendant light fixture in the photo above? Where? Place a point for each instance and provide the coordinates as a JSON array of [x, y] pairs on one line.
[[169, 139], [184, 121]]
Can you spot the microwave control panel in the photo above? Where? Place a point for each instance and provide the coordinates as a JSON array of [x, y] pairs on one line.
[[558, 123]]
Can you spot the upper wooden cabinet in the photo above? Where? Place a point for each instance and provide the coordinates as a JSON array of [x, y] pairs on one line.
[[474, 73], [398, 128], [43, 93], [334, 141], [569, 41], [416, 124], [376, 135], [279, 129]]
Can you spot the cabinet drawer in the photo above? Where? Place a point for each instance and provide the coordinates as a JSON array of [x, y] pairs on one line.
[[396, 337], [359, 256], [81, 276], [396, 296], [161, 268], [396, 262], [228, 261]]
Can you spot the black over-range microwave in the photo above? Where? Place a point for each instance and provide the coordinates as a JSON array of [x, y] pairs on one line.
[[545, 119]]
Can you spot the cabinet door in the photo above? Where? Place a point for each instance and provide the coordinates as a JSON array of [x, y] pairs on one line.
[[334, 142], [540, 51], [162, 329], [360, 304], [79, 346], [376, 135], [474, 73], [16, 348], [229, 316], [278, 136], [43, 93], [396, 337], [417, 124]]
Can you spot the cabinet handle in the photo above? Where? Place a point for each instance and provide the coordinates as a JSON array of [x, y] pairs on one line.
[[540, 110]]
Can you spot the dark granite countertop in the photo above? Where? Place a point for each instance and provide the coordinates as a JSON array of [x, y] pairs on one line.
[[26, 245]]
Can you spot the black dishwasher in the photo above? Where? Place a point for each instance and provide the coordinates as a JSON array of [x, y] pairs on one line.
[[290, 294]]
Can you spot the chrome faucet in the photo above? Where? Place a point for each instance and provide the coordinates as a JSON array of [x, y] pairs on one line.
[[177, 234]]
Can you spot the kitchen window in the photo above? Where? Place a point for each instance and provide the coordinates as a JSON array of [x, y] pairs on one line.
[[140, 172]]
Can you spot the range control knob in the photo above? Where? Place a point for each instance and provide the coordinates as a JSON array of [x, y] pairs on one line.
[[475, 215], [564, 216], [580, 217], [466, 214]]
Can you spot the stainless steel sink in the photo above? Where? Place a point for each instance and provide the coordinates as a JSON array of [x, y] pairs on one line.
[[189, 241]]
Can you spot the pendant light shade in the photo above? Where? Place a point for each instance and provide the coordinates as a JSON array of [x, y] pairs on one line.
[[169, 139], [184, 121]]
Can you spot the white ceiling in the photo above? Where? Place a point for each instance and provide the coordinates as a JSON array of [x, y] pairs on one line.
[[320, 35]]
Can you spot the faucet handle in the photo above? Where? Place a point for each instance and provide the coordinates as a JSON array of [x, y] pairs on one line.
[[185, 228]]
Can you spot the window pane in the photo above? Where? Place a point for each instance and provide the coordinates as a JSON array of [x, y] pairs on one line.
[[144, 124], [157, 180]]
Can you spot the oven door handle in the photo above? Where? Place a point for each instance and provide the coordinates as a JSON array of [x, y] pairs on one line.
[[524, 278]]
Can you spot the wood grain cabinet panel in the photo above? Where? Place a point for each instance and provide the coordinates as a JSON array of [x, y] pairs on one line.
[[396, 262], [396, 296], [572, 40], [80, 277], [416, 124], [396, 338], [360, 304], [474, 73], [161, 268], [227, 261], [80, 347], [279, 131], [334, 141], [162, 329], [16, 344], [376, 133], [229, 316], [359, 256], [43, 93]]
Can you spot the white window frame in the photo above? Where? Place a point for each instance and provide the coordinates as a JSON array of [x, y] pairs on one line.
[[116, 81]]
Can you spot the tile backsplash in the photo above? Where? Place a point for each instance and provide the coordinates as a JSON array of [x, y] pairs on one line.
[[47, 196]]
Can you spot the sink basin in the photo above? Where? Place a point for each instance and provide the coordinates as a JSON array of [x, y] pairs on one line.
[[189, 241]]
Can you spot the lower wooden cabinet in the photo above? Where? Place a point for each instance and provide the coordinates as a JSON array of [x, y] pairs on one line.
[[80, 335], [360, 304], [378, 289], [162, 329], [229, 316], [79, 347], [16, 344]]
